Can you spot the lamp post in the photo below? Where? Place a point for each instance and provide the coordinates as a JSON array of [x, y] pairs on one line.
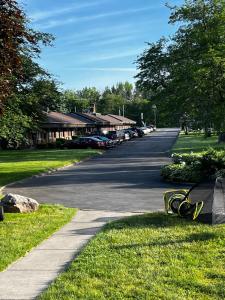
[[154, 108]]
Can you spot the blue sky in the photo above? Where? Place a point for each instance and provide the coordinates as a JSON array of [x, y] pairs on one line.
[[97, 41]]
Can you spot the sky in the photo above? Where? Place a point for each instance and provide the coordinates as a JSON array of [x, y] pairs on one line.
[[97, 41]]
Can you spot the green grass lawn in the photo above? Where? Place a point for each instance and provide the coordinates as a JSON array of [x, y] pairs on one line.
[[19, 233], [196, 142], [151, 256], [16, 165]]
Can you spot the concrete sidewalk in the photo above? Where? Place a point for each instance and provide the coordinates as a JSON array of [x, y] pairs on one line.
[[30, 275]]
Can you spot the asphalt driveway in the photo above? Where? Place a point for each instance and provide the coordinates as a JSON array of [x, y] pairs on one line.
[[126, 178]]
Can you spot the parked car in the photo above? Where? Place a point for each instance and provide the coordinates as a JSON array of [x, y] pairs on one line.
[[108, 143], [116, 135], [145, 130], [151, 127], [85, 142], [137, 131], [126, 136], [132, 133]]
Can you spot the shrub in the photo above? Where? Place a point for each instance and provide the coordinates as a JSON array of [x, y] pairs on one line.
[[60, 142], [193, 167], [181, 173], [74, 137], [46, 146], [186, 158]]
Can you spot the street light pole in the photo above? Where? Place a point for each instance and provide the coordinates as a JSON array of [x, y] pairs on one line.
[[154, 108]]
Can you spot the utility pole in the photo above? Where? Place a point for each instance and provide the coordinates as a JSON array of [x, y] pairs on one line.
[[154, 108], [123, 110]]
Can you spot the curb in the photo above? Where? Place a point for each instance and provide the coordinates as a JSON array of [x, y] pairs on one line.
[[49, 172]]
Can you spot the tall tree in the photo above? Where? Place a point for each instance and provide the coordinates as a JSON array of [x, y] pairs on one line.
[[72, 102], [16, 41], [25, 88], [186, 73]]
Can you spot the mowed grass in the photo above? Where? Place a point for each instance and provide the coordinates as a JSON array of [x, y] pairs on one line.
[[16, 165], [19, 233], [152, 256], [196, 142]]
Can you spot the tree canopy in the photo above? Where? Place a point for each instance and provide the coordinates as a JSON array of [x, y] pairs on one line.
[[25, 87], [184, 74], [18, 43]]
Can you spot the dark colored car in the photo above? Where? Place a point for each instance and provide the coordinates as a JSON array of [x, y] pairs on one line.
[[108, 143], [116, 135], [131, 133], [85, 142], [137, 131]]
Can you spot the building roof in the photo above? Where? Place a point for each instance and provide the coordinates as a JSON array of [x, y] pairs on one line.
[[58, 118], [124, 120], [111, 120], [84, 119], [106, 119], [97, 118]]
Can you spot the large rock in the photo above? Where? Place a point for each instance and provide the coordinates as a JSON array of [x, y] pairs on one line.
[[13, 203]]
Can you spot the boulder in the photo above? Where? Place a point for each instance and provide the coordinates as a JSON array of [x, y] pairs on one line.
[[13, 203]]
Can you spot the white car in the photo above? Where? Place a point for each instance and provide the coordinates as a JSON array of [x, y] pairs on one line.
[[126, 136], [145, 130]]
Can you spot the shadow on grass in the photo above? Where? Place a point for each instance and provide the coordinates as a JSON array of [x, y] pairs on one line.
[[151, 220], [192, 238], [45, 155], [161, 221]]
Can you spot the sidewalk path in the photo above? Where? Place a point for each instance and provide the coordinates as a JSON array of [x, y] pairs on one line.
[[122, 181], [29, 276]]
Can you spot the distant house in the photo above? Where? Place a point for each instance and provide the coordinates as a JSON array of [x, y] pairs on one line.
[[62, 125]]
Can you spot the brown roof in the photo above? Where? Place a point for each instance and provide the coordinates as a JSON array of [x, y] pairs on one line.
[[111, 120], [60, 118], [107, 118], [97, 118], [82, 118], [124, 120]]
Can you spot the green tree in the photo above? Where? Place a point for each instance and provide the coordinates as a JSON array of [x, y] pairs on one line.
[[15, 128], [186, 73], [16, 41], [72, 102], [110, 103], [90, 94]]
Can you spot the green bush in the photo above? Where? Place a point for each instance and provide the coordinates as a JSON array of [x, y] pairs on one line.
[[60, 142], [46, 146], [195, 166], [185, 158], [181, 173], [74, 137]]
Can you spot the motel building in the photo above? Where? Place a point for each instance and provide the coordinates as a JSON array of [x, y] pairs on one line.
[[66, 125]]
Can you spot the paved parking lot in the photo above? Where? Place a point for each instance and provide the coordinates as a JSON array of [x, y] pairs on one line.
[[126, 178]]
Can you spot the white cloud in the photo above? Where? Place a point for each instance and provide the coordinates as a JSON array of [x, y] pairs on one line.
[[41, 15], [126, 70], [95, 33], [121, 54], [55, 23]]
